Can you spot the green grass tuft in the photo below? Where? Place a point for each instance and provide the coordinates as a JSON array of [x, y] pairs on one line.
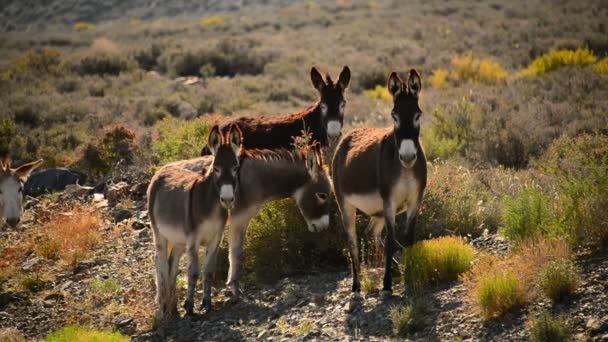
[[559, 279], [548, 329], [499, 293], [80, 334]]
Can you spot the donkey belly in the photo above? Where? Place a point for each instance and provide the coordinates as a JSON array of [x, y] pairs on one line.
[[174, 232], [370, 203], [404, 195], [209, 229]]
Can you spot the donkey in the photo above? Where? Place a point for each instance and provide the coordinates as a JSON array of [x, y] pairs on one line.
[[11, 189], [267, 175], [188, 209], [382, 172], [324, 119]]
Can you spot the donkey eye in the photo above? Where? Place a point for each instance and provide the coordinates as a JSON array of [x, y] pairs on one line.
[[321, 196]]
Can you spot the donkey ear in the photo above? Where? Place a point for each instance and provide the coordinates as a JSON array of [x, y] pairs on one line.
[[344, 78], [235, 137], [215, 139], [24, 171], [394, 85], [317, 79], [414, 84], [312, 161]]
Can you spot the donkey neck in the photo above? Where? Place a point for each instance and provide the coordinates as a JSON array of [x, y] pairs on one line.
[[204, 202]]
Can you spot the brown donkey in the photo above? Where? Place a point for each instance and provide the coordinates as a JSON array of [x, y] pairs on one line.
[[382, 172], [324, 119], [11, 190], [188, 209]]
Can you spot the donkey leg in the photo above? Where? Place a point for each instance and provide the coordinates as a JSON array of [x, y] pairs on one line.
[[162, 276], [389, 248], [193, 273], [174, 257], [236, 235], [348, 220], [209, 268]]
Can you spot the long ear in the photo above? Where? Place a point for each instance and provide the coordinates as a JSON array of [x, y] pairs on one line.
[[414, 84], [313, 163], [24, 171], [394, 85], [317, 79], [235, 137], [344, 78], [215, 139]]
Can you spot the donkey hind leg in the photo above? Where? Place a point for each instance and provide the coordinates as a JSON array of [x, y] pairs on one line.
[[176, 254], [193, 273], [162, 276], [236, 235], [348, 220], [389, 249], [209, 268]]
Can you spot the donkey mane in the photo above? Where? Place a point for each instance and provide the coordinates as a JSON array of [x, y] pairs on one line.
[[281, 154]]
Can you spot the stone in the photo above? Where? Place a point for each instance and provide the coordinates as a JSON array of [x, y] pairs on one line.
[[137, 225], [121, 215], [76, 190], [116, 192], [139, 189], [52, 180]]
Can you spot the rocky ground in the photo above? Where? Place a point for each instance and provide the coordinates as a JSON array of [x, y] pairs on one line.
[[317, 306]]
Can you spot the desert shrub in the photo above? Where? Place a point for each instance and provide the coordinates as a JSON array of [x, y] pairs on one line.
[[371, 77], [526, 215], [439, 78], [83, 26], [177, 140], [578, 166], [379, 93], [410, 318], [70, 236], [498, 285], [78, 333], [601, 67], [559, 58], [101, 63], [436, 261], [278, 243], [147, 58], [36, 61], [558, 279], [499, 293], [546, 328], [215, 20], [458, 201], [67, 85], [7, 132], [487, 71], [114, 144]]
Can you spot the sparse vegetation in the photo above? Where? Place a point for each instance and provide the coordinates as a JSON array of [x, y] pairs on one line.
[[81, 334], [499, 293], [176, 140], [546, 328], [558, 279], [409, 319], [436, 261]]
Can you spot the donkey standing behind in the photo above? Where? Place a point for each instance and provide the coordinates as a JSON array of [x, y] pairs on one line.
[[267, 175], [11, 190], [188, 209], [382, 172], [324, 119]]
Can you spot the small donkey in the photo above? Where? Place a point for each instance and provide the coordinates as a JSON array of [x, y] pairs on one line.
[[188, 209], [267, 175], [324, 119], [11, 188], [382, 172]]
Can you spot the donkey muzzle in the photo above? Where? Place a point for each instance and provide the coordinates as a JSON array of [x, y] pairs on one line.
[[13, 222], [407, 153], [227, 196]]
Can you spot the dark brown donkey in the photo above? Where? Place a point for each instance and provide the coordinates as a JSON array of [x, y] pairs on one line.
[[324, 119], [382, 172]]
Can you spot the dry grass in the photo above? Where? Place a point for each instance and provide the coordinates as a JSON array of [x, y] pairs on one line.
[[11, 335], [559, 279], [70, 235], [499, 285], [546, 328]]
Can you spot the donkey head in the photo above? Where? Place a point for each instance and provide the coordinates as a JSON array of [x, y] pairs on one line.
[[332, 101], [313, 197], [11, 188], [406, 115], [226, 151]]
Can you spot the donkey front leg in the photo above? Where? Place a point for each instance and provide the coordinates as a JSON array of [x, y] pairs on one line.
[[348, 220], [209, 268], [389, 249], [236, 235], [193, 273]]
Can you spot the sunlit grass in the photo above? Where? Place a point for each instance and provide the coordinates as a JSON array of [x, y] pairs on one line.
[[559, 58]]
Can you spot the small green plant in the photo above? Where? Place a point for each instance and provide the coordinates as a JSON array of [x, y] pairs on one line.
[[215, 20], [559, 58], [432, 262], [410, 318], [558, 279], [177, 140], [498, 293], [83, 26], [369, 281], [546, 328], [525, 215], [81, 334], [282, 325], [304, 328], [105, 287]]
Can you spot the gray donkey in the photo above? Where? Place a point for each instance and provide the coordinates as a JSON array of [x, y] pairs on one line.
[[187, 210], [11, 190]]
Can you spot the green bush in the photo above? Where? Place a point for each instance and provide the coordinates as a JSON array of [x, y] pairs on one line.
[[113, 144], [410, 318], [548, 329], [559, 58], [101, 64], [175, 139], [432, 262], [278, 243], [80, 334], [498, 293], [558, 279], [526, 215], [7, 132]]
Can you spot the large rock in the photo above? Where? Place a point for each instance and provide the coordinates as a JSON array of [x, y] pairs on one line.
[[52, 180]]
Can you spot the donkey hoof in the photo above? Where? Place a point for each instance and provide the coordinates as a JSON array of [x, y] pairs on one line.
[[206, 306], [386, 294]]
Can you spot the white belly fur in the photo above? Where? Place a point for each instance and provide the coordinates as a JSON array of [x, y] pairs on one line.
[[205, 233]]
